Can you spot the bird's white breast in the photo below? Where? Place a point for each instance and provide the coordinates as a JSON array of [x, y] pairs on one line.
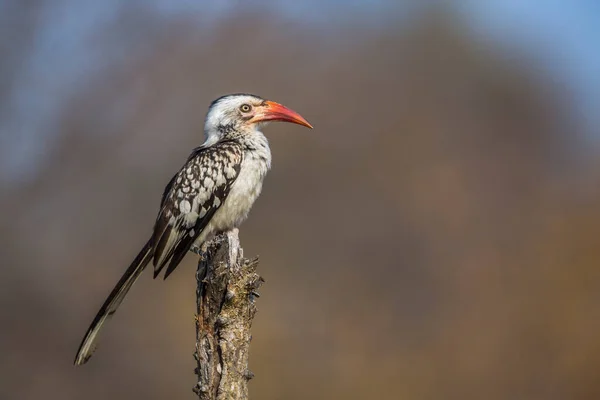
[[244, 191]]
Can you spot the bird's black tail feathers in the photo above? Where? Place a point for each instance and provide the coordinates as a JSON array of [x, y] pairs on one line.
[[87, 347]]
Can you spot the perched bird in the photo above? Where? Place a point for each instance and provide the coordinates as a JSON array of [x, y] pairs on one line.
[[212, 193]]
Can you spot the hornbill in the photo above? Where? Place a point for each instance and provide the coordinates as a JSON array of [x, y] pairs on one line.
[[212, 193]]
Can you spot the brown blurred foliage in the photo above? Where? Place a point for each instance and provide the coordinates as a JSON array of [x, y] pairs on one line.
[[435, 237]]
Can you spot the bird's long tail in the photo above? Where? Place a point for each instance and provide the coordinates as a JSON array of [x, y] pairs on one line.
[[87, 347]]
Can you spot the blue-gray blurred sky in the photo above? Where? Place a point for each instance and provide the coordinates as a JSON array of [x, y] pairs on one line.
[[63, 52]]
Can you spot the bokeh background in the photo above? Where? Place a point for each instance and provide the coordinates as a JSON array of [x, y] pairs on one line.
[[436, 236]]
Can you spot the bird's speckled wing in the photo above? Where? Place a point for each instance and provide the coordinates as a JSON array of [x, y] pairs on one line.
[[191, 199]]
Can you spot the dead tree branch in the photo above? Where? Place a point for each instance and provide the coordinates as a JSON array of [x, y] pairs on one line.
[[227, 284]]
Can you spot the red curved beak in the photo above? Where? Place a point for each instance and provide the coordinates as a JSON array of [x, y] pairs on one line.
[[272, 111]]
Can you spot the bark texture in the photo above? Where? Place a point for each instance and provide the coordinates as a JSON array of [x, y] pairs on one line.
[[226, 293]]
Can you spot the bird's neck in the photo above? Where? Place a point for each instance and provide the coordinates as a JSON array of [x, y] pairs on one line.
[[256, 146], [253, 142]]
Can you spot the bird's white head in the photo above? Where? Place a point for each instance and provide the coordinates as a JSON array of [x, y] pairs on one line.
[[240, 114]]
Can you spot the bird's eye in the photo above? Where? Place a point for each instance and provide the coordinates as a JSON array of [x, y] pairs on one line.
[[245, 108]]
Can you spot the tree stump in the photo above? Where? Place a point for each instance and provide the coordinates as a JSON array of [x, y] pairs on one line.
[[226, 294]]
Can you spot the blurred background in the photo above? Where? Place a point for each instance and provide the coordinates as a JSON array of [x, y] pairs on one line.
[[436, 236]]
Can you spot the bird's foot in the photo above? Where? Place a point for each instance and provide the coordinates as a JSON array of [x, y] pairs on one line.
[[196, 250]]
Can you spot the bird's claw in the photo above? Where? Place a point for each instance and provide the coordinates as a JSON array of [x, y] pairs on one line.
[[196, 250]]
